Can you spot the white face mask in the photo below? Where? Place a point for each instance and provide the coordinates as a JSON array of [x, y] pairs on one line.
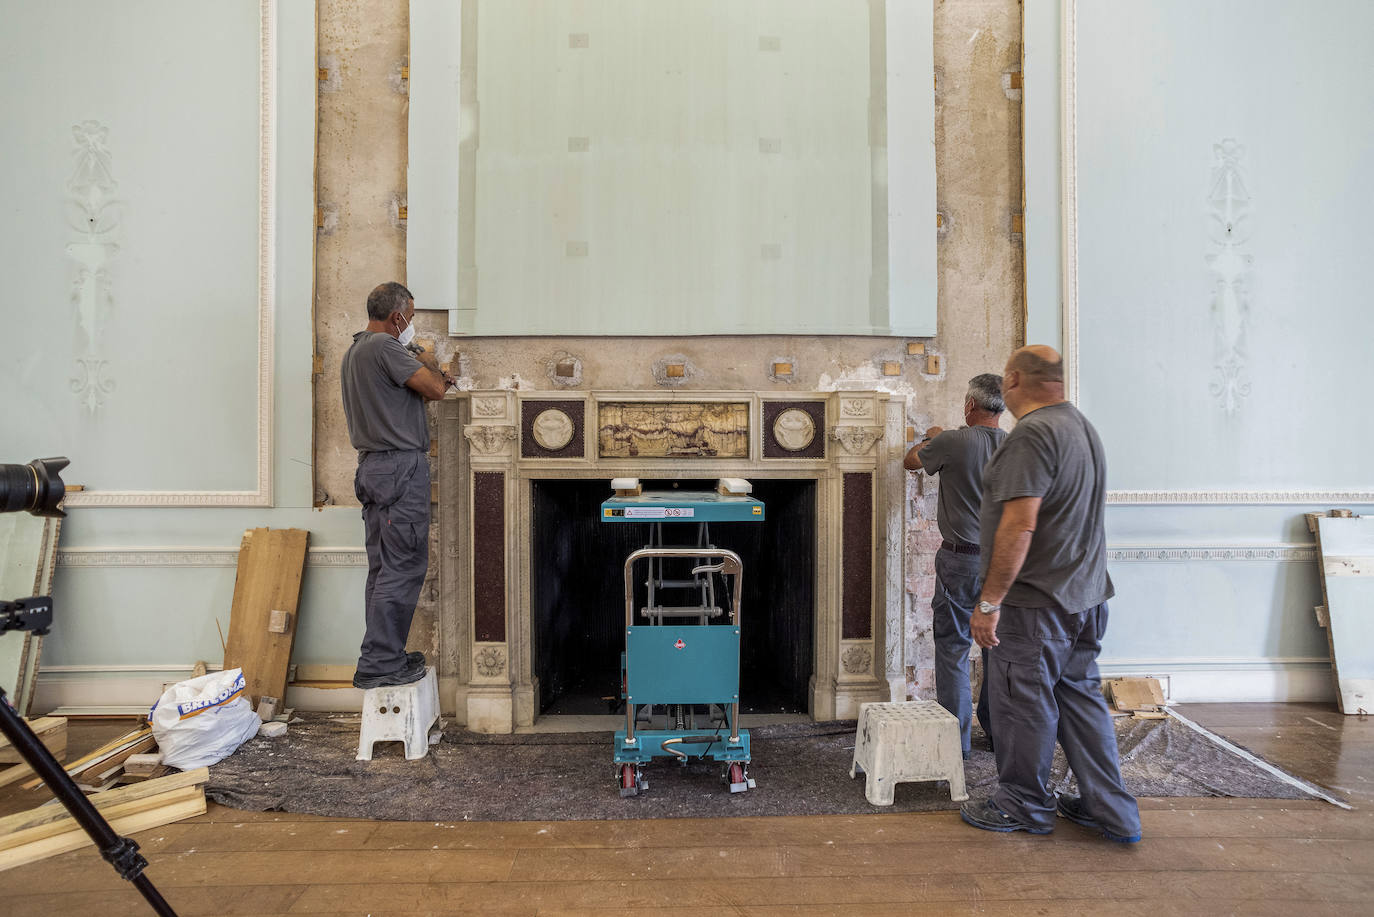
[[407, 335]]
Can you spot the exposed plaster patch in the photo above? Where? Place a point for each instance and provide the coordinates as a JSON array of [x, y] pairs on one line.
[[327, 219], [333, 73], [1011, 83], [399, 77], [783, 369], [396, 208], [674, 370], [514, 382], [565, 370]]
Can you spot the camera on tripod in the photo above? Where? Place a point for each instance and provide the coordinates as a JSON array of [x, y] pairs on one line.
[[35, 488]]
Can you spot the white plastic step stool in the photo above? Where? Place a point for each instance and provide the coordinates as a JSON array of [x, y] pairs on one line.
[[907, 742], [401, 713]]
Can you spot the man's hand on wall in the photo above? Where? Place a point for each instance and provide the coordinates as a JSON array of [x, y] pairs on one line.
[[933, 432]]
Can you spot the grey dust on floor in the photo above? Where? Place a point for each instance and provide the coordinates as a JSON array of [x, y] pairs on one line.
[[801, 769]]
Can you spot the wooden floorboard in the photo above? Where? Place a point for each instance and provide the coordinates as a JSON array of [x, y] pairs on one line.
[[1200, 855]]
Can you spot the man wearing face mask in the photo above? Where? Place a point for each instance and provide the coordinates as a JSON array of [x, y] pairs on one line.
[[385, 387]]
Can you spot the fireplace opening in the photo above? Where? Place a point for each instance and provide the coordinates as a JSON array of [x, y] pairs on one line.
[[578, 601]]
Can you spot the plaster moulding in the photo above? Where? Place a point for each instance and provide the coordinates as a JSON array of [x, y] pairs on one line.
[[162, 556], [1068, 155], [261, 495]]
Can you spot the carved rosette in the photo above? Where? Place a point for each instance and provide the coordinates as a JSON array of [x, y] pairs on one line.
[[857, 440], [490, 439], [489, 662], [857, 660]]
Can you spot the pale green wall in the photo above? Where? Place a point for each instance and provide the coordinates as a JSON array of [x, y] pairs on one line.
[[1159, 87], [181, 334]]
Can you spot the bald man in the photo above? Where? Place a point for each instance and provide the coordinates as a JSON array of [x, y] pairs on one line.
[[1043, 612]]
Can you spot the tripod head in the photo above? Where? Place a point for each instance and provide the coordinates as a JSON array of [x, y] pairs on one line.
[[32, 614]]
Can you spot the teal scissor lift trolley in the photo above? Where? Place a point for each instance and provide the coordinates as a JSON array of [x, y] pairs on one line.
[[680, 659]]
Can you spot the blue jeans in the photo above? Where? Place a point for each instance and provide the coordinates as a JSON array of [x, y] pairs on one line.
[[1043, 686], [394, 490], [956, 593]]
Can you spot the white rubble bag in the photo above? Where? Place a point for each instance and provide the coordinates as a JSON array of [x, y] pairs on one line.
[[200, 721]]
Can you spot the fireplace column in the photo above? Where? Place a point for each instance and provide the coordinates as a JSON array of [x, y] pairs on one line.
[[859, 674], [487, 688]]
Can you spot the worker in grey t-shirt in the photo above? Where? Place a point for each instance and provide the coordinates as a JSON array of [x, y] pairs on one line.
[[958, 457], [385, 386], [1043, 613]]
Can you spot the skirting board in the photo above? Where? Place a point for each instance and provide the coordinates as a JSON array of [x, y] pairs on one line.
[[1185, 680], [133, 691], [1231, 680]]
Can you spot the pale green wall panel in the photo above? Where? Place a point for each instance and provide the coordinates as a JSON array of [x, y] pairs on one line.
[[132, 238], [1158, 90], [726, 166], [184, 322]]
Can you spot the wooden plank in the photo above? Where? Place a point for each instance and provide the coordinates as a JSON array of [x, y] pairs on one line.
[[323, 672], [51, 731], [271, 563], [77, 838], [21, 820], [62, 821], [103, 765], [124, 741], [1347, 552], [1131, 694]]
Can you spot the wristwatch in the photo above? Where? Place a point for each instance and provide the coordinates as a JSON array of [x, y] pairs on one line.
[[988, 608]]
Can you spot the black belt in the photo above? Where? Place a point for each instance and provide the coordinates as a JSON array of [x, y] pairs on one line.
[[961, 548]]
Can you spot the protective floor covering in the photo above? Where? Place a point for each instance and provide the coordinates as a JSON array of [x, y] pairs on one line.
[[801, 769]]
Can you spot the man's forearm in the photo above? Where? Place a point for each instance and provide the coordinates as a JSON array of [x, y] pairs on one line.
[[1009, 548]]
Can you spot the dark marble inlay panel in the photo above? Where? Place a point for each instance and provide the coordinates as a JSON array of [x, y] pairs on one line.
[[489, 556], [529, 446], [773, 449], [856, 562]]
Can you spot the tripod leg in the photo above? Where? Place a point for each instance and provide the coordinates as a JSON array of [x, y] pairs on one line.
[[120, 852]]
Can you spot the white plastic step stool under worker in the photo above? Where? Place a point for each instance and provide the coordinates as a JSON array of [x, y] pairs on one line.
[[402, 713], [907, 742]]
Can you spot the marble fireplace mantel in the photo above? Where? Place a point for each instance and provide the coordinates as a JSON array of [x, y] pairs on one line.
[[493, 444]]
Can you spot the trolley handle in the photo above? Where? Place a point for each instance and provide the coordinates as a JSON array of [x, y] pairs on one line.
[[729, 565]]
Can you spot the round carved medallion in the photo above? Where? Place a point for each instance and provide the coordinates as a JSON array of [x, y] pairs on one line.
[[794, 429], [552, 429]]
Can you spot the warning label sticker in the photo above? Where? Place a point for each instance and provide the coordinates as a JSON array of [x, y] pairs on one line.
[[659, 512]]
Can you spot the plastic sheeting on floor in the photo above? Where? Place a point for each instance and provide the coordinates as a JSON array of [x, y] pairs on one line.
[[801, 769]]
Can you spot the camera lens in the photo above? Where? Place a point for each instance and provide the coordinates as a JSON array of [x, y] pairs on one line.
[[36, 487]]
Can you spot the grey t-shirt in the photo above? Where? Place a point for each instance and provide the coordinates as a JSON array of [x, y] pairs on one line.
[[382, 413], [958, 457], [1054, 454]]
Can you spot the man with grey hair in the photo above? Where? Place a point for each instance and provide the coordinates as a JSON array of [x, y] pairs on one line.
[[958, 457], [1043, 613], [385, 386]]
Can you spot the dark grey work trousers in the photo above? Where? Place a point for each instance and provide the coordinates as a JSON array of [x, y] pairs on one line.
[[1043, 686], [956, 593], [394, 490]]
